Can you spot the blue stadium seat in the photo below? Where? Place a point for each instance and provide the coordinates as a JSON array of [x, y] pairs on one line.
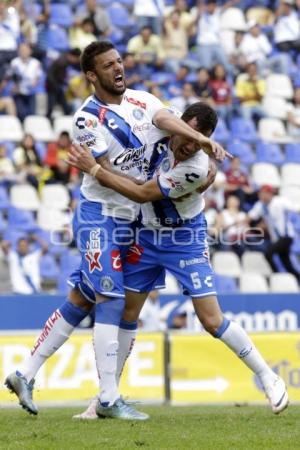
[[162, 78], [119, 16], [4, 199], [243, 151], [221, 133], [226, 284], [41, 148], [3, 224], [292, 153], [116, 36], [127, 3], [13, 236], [295, 219], [57, 38], [69, 261], [269, 152], [48, 268], [243, 129], [61, 14], [20, 219]]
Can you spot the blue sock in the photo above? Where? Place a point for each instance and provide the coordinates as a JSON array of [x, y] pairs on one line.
[[72, 314], [128, 325], [222, 328]]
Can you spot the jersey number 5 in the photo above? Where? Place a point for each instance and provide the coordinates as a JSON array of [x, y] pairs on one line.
[[196, 280]]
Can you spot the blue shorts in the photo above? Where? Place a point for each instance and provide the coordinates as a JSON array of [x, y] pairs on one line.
[[103, 243], [183, 251]]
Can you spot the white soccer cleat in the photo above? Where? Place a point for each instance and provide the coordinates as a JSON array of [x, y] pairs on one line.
[[277, 395], [90, 412]]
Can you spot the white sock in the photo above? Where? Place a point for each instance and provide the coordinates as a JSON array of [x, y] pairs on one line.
[[56, 331], [126, 340], [106, 352], [239, 342]]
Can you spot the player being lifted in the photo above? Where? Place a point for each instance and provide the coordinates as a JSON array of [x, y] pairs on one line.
[[114, 124], [173, 237]]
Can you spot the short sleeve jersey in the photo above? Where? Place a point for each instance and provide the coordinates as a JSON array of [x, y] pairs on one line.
[[120, 132]]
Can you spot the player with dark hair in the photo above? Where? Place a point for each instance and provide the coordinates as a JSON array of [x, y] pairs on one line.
[[113, 123], [173, 236]]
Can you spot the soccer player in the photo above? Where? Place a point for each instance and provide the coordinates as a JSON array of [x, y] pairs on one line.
[[113, 124], [173, 237]]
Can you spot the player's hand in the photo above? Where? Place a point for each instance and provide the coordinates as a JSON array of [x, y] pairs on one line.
[[214, 150], [80, 156], [211, 176]]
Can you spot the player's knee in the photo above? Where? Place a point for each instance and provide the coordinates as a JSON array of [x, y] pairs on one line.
[[212, 324], [131, 313], [77, 299]]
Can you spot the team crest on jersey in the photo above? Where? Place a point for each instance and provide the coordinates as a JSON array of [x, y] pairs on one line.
[[175, 184], [165, 165], [134, 254], [93, 251], [116, 261], [138, 113], [106, 283]]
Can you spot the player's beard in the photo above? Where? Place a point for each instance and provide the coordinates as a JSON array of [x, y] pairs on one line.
[[109, 86]]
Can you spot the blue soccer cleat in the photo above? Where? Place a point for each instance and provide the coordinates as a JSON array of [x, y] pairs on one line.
[[18, 384], [120, 410]]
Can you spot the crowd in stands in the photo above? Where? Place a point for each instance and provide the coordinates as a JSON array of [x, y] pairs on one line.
[[240, 56]]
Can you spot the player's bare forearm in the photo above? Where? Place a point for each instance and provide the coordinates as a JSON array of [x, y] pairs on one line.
[[105, 163]]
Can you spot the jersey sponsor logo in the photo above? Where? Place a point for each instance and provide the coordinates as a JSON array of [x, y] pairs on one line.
[[93, 251], [191, 177], [106, 283], [102, 114], [116, 261], [91, 123], [134, 254], [87, 139], [175, 184], [189, 262], [80, 123], [142, 127], [130, 157], [138, 114], [136, 102]]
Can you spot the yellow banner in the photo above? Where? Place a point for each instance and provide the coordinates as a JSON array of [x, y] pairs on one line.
[[203, 369], [70, 374]]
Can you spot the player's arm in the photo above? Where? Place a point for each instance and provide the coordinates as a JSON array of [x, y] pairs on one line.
[[105, 163]]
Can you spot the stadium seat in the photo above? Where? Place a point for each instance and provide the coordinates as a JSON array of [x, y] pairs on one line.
[[4, 199], [57, 38], [61, 14], [290, 174], [55, 196], [52, 219], [233, 19], [292, 193], [70, 261], [24, 196], [283, 282], [10, 129], [255, 262], [253, 283], [243, 151], [269, 152], [20, 220], [273, 130], [39, 127], [279, 85], [119, 16], [3, 224], [295, 219], [263, 173], [226, 263], [276, 107], [48, 268], [116, 36], [292, 153], [243, 130], [225, 284], [221, 133], [62, 123]]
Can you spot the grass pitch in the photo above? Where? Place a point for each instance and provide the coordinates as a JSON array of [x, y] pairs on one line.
[[197, 427]]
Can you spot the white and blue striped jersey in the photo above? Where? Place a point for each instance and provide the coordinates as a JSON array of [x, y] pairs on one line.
[[121, 132], [175, 179]]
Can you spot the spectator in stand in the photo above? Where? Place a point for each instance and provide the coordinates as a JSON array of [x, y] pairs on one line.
[[7, 104], [202, 86], [132, 71], [209, 41], [26, 73], [82, 34], [175, 86], [56, 81], [186, 98], [238, 184], [28, 28], [9, 31], [287, 27], [231, 226], [27, 161], [236, 57], [273, 210], [174, 39], [98, 15], [7, 170], [147, 50], [187, 18], [221, 92], [56, 155], [250, 89], [149, 13], [24, 265], [149, 319], [257, 48], [155, 90], [79, 88], [293, 116]]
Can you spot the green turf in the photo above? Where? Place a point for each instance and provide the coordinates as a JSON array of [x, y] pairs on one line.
[[203, 427]]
